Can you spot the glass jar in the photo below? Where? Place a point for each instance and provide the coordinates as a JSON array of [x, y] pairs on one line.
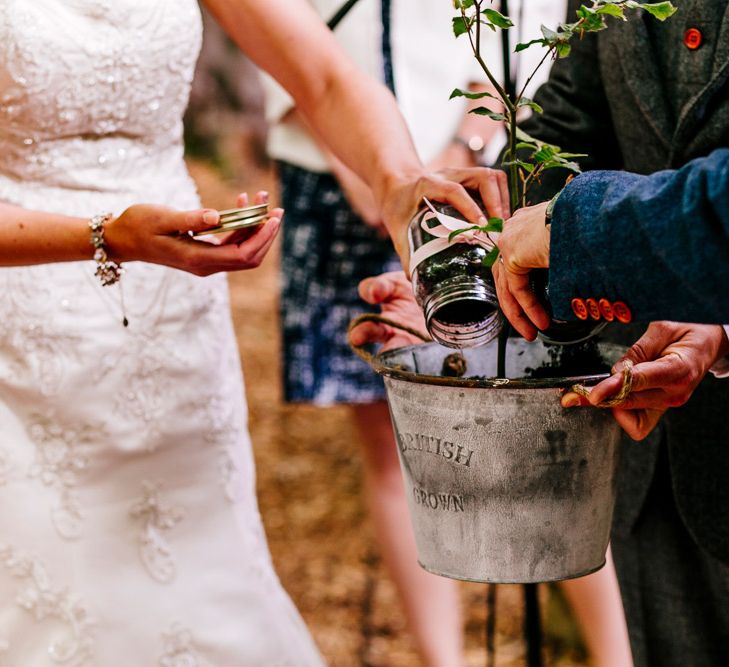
[[454, 287], [456, 291]]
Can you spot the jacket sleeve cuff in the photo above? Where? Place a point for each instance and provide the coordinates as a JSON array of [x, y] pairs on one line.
[[721, 368]]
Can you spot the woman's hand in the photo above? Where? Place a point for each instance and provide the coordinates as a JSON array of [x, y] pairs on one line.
[[393, 292], [524, 245], [400, 198], [161, 235], [670, 359]]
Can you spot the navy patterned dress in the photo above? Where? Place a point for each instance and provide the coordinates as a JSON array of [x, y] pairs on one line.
[[327, 250]]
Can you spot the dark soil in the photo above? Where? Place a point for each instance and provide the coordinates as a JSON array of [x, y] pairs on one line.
[[570, 361]]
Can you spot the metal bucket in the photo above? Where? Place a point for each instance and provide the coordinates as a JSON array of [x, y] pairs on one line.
[[503, 484]]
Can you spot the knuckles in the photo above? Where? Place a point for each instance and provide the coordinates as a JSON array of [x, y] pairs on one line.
[[637, 353], [678, 400]]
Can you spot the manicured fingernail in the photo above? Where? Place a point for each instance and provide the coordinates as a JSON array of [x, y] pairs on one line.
[[571, 402], [483, 221], [211, 217], [263, 195]]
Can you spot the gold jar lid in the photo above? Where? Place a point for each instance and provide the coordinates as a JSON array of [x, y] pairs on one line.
[[238, 218]]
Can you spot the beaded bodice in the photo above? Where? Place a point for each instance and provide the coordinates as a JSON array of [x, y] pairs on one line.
[[129, 530], [92, 94]]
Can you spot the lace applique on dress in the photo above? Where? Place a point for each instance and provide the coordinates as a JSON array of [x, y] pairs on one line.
[[179, 648], [73, 643], [156, 517], [147, 393], [222, 433], [36, 350], [61, 456]]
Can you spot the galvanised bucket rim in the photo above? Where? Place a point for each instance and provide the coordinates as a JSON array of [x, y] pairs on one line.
[[506, 580], [399, 373]]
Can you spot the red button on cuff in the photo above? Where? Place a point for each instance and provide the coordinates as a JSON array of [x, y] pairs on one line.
[[593, 309], [622, 312], [579, 309], [693, 38], [606, 309]]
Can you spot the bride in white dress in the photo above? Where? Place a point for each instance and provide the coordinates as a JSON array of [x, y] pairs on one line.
[[129, 530]]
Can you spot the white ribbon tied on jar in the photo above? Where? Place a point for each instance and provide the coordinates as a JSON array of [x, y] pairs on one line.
[[442, 231]]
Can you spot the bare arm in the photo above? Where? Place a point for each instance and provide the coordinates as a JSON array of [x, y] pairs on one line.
[[289, 40], [354, 115], [454, 154], [155, 234], [30, 237]]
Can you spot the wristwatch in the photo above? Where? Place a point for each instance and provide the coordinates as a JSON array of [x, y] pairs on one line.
[[474, 144]]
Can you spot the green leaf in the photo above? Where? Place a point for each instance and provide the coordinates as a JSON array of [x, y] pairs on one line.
[[563, 49], [526, 102], [661, 10], [471, 96], [497, 18], [526, 166], [544, 154], [523, 136], [612, 10], [462, 4], [562, 164], [522, 46], [491, 258], [571, 155], [453, 235], [494, 225], [460, 27], [549, 35], [559, 41], [590, 20], [484, 111]]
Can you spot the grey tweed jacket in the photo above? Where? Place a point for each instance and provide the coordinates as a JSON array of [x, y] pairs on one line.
[[636, 97]]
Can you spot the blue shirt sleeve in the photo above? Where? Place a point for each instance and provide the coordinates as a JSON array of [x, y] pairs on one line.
[[658, 243]]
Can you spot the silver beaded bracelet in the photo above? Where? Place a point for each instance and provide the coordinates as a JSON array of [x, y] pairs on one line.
[[108, 271]]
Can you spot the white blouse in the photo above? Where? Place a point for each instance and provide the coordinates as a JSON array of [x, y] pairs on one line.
[[428, 63]]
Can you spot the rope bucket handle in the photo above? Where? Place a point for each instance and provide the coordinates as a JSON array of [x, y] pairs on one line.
[[368, 357], [619, 398]]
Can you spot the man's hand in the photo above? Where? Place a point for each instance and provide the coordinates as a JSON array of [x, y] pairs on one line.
[[670, 359], [524, 245], [395, 294]]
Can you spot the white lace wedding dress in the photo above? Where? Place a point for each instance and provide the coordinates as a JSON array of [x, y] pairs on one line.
[[129, 530]]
